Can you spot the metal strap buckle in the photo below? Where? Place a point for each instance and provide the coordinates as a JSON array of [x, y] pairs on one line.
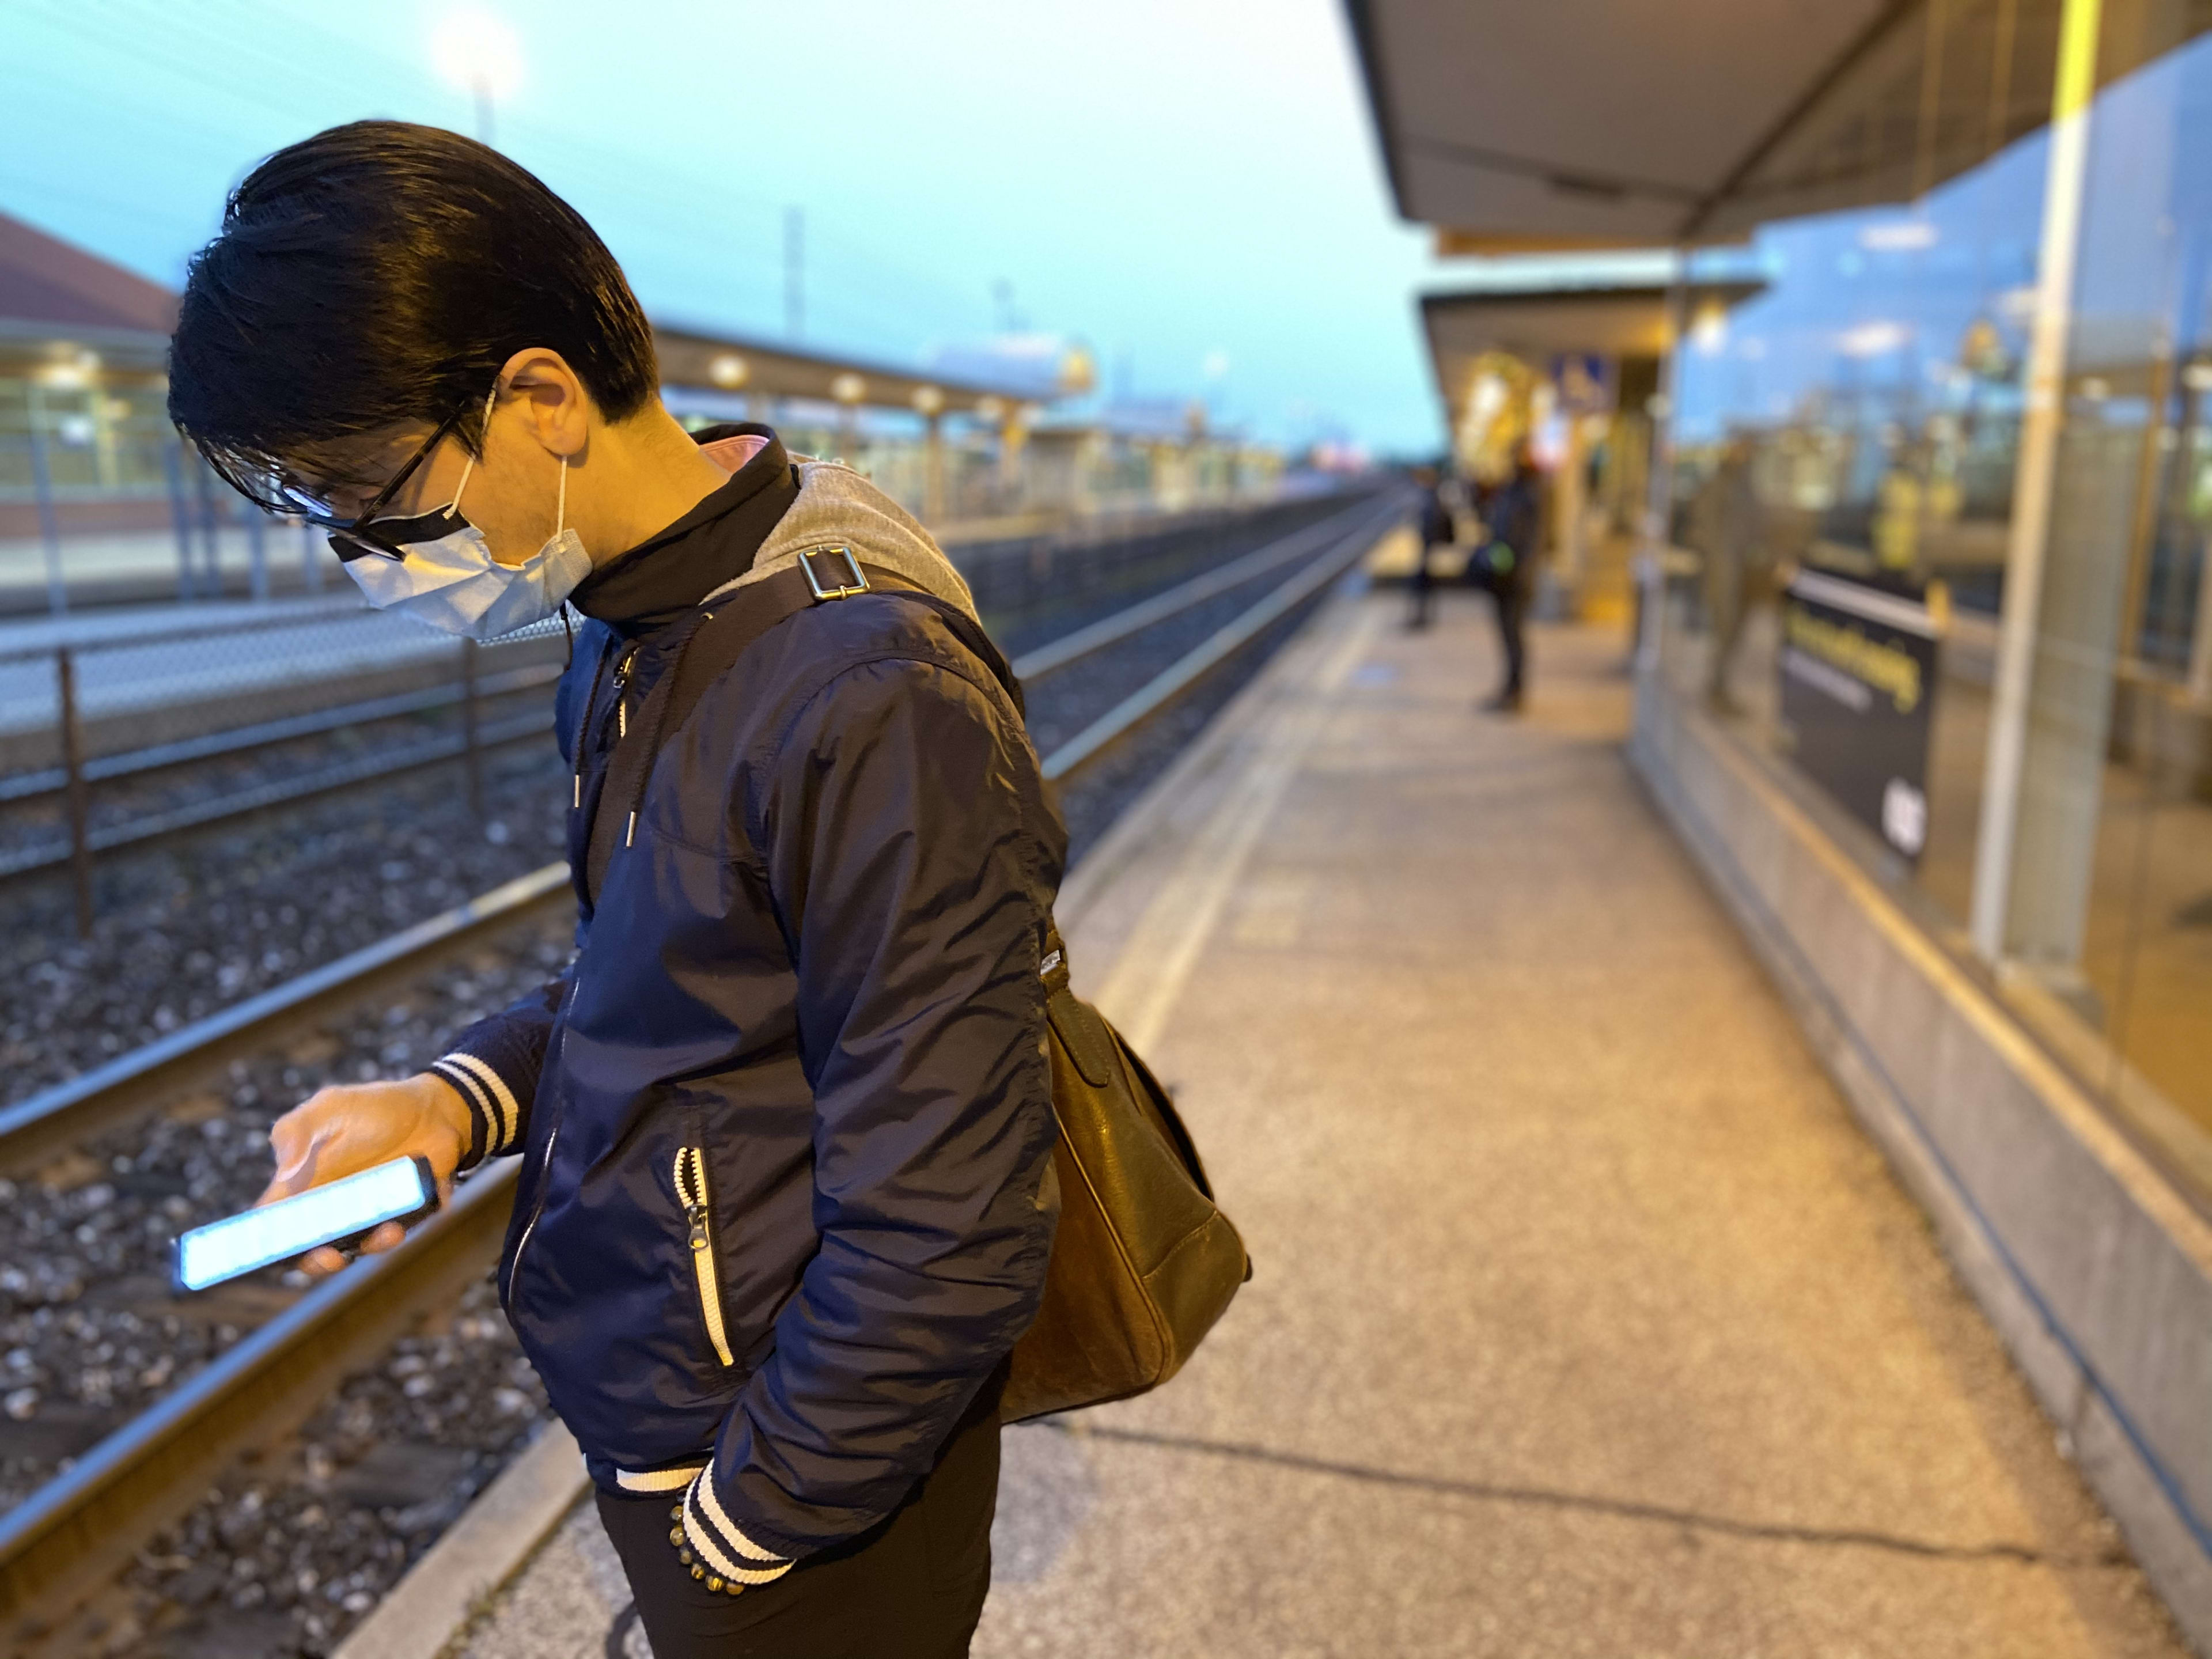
[[842, 590]]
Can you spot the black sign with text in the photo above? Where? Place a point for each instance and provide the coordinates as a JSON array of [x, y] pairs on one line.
[[1858, 693]]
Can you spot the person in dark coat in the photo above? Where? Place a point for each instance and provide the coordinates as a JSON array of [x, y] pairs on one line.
[[1514, 519], [785, 1123], [1436, 530]]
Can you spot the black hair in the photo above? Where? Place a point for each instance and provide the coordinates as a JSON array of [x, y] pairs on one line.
[[381, 272]]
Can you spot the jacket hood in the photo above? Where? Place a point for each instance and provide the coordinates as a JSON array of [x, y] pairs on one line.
[[837, 507]]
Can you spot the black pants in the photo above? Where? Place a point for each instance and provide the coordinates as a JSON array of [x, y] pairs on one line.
[[911, 1587], [1423, 585], [1512, 611]]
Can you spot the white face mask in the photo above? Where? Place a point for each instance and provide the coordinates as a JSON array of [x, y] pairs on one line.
[[450, 580]]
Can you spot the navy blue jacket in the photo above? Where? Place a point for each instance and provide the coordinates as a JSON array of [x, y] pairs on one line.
[[787, 1121]]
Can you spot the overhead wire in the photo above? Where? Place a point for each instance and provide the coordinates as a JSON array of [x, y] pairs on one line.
[[628, 176], [853, 290]]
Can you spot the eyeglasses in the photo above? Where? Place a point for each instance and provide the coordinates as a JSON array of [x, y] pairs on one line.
[[274, 493]]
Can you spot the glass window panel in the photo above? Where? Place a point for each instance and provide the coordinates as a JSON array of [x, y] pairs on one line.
[[2121, 645], [1859, 419]]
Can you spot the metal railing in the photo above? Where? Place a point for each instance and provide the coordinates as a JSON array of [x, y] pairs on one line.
[[103, 704], [115, 704]]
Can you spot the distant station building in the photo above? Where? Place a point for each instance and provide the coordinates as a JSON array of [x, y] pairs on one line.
[[99, 498], [83, 350]]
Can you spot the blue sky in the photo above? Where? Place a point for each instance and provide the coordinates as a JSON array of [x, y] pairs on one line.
[[1193, 188]]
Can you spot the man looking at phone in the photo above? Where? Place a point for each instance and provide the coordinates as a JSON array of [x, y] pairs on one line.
[[786, 1122]]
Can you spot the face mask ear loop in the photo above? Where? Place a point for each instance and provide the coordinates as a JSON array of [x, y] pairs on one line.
[[561, 504], [467, 467], [470, 465]]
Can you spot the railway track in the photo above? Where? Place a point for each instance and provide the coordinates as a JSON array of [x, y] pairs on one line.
[[389, 761], [472, 694], [77, 1530]]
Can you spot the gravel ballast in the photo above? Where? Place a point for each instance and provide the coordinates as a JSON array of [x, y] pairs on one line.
[[297, 1543]]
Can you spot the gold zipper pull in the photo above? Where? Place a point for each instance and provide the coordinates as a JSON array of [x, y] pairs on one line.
[[691, 1193], [622, 687]]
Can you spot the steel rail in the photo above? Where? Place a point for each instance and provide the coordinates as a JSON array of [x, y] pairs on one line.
[[71, 1536], [33, 1128], [158, 827], [347, 774], [130, 1084], [65, 1539], [1178, 678], [243, 739], [1111, 630]]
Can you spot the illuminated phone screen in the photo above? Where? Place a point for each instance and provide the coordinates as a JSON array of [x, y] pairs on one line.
[[292, 1226]]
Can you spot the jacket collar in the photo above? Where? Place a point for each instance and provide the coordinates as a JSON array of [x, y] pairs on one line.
[[709, 547]]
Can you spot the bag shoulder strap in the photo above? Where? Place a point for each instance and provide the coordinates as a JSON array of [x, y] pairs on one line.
[[712, 640]]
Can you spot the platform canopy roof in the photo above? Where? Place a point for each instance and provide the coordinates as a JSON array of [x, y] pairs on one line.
[[715, 361], [57, 301], [1619, 320], [1612, 320], [1513, 126]]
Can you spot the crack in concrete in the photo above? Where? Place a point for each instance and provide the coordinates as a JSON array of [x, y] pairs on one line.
[[1620, 1508]]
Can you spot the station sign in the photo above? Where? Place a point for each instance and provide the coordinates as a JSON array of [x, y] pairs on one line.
[[1582, 383], [1858, 671]]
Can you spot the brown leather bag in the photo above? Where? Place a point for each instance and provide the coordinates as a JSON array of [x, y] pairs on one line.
[[1144, 1262]]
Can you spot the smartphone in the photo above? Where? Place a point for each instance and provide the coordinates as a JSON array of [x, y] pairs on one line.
[[339, 1212]]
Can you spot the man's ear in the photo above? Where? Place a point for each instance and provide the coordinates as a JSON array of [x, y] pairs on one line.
[[555, 408]]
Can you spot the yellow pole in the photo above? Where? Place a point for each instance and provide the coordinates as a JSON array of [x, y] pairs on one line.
[[1999, 832]]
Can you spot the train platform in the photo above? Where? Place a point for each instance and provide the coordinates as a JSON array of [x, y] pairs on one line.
[[1586, 1321]]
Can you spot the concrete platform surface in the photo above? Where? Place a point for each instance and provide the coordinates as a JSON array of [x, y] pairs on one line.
[[1586, 1321]]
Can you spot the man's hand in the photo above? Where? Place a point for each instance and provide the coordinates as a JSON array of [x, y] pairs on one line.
[[351, 1127]]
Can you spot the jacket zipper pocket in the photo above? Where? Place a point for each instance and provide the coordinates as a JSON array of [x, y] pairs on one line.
[[691, 1194], [544, 1179]]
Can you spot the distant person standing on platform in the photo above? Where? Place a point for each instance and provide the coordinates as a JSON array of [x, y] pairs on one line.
[[1730, 530], [1507, 559], [786, 1122], [1437, 529]]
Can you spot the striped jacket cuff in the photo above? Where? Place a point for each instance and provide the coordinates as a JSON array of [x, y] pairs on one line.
[[495, 1117], [716, 1543]]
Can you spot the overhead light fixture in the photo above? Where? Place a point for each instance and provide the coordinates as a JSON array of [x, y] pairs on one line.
[[1872, 339], [1709, 333], [929, 399], [848, 388], [728, 370], [478, 52], [1898, 236], [990, 410]]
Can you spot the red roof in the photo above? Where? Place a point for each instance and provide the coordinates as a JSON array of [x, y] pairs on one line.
[[46, 280]]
